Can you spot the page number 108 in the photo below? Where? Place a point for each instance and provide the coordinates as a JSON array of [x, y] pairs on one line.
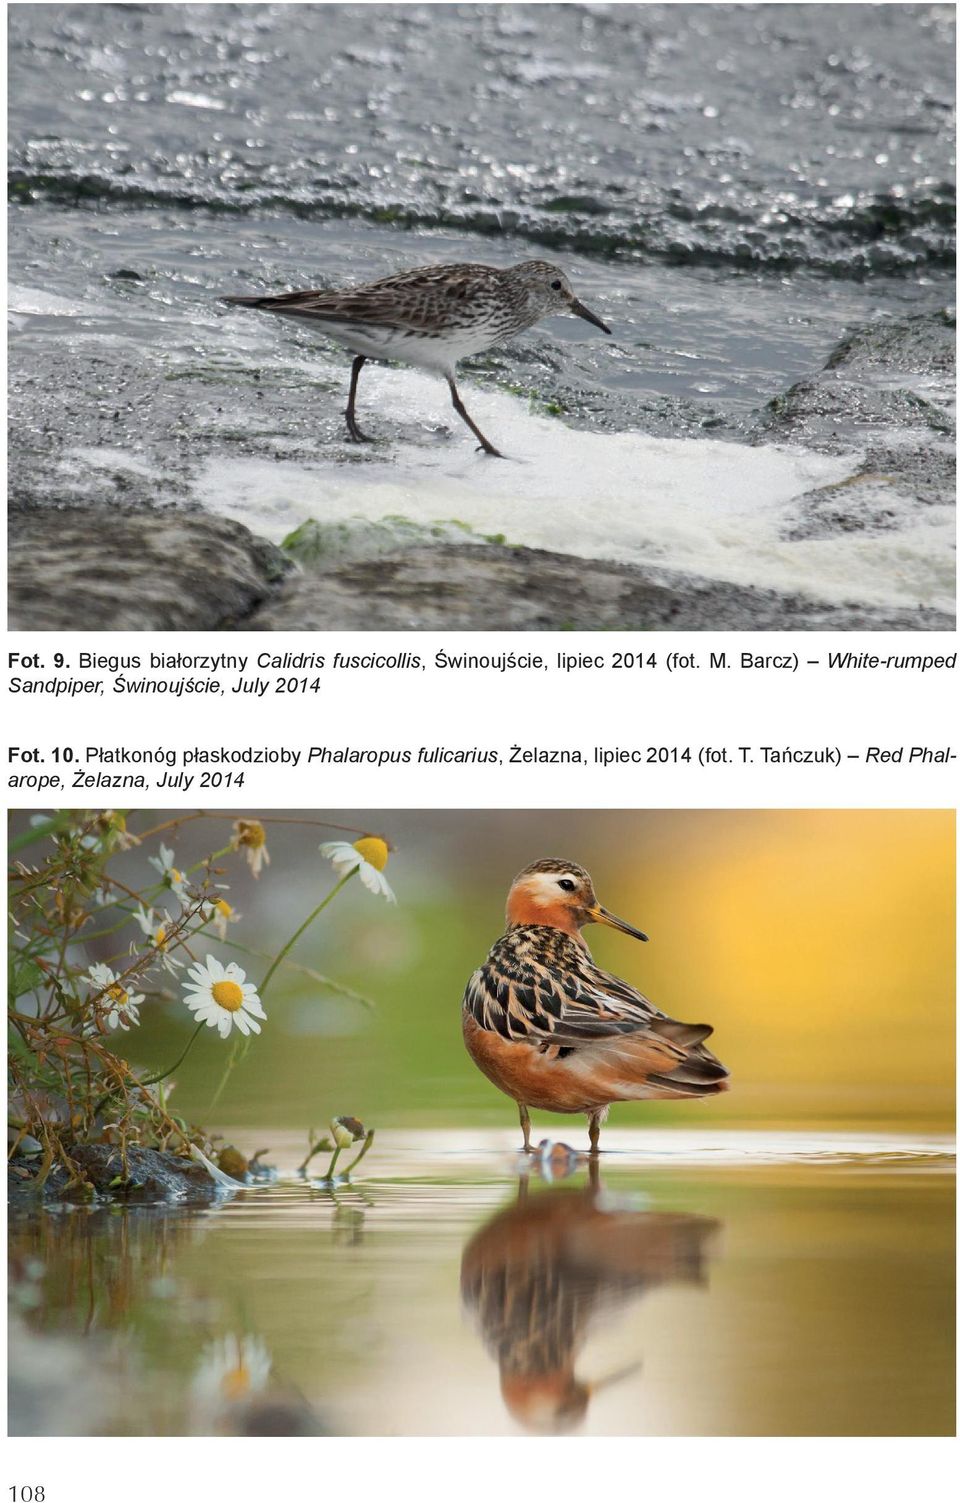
[[27, 1494]]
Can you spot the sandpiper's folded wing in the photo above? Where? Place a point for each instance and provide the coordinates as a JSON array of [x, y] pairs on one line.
[[540, 987], [405, 301]]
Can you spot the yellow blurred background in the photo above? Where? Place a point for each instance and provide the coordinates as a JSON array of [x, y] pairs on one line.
[[819, 944]]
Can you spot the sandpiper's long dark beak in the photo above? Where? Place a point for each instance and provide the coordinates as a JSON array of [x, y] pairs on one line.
[[599, 915], [577, 307]]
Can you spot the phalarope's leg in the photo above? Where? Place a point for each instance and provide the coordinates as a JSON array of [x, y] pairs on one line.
[[595, 1119], [525, 1125], [355, 369], [458, 407]]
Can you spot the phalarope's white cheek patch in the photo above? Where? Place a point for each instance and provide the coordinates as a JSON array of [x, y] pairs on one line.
[[719, 511]]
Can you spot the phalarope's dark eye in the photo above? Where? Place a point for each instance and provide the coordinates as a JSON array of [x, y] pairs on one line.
[[556, 287], [566, 884]]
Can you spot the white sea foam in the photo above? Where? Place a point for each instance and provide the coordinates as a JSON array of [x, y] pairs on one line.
[[720, 511], [38, 303], [114, 459]]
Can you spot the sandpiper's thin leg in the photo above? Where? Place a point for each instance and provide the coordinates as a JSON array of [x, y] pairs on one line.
[[458, 407], [357, 366], [595, 1119], [525, 1125]]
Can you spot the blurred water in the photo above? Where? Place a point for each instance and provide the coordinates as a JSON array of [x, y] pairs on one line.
[[729, 1284]]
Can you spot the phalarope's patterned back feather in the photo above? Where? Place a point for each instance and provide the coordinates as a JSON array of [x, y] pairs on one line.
[[540, 985]]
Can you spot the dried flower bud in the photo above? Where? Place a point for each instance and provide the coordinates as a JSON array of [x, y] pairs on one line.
[[347, 1130]]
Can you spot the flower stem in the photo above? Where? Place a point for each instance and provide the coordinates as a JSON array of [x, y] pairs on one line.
[[231, 1062], [368, 1144], [214, 856], [152, 1079], [303, 927], [333, 1162], [316, 1148], [277, 960], [164, 1073]]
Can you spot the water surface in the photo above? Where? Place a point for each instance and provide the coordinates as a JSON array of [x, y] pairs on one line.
[[701, 1283]]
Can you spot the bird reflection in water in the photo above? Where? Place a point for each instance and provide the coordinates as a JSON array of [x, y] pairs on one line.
[[537, 1276]]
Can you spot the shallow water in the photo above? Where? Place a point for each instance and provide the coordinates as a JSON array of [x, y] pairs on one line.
[[733, 188], [708, 1283]]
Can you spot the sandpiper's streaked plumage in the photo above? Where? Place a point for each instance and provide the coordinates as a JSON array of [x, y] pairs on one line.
[[554, 1031], [432, 317]]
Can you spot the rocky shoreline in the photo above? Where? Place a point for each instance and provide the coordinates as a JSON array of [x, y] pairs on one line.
[[126, 569], [132, 555], [148, 1177]]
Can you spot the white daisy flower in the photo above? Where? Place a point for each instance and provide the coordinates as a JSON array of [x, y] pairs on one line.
[[123, 1008], [232, 1370], [367, 856], [250, 837], [149, 925], [155, 929], [221, 915], [221, 996], [169, 873]]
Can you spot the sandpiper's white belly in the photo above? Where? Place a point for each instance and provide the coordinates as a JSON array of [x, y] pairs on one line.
[[439, 352]]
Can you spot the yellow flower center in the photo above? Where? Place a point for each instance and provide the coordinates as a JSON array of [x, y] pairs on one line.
[[174, 875], [223, 908], [235, 1384], [250, 832], [227, 994], [160, 938], [374, 850], [117, 994]]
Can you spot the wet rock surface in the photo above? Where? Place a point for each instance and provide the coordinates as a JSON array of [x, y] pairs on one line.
[[149, 1176], [874, 378], [109, 568], [488, 587], [885, 379]]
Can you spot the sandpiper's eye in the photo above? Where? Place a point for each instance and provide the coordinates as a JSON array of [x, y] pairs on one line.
[[556, 287], [566, 884]]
